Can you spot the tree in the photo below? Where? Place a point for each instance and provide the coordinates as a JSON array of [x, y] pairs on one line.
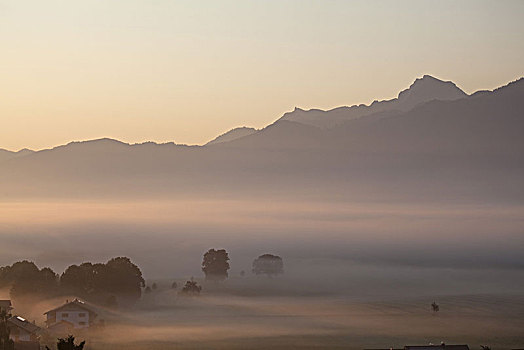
[[123, 278], [81, 280], [68, 344], [118, 277], [191, 288], [26, 279], [154, 286], [174, 285], [215, 264], [5, 341], [147, 290], [268, 264]]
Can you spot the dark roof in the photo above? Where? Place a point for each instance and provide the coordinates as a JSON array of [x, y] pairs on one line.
[[73, 305], [24, 324], [429, 347], [437, 347]]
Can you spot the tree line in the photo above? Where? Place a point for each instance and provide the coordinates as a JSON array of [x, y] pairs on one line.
[[117, 279]]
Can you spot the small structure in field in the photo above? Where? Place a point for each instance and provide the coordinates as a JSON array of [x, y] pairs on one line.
[[434, 307], [21, 330], [74, 314]]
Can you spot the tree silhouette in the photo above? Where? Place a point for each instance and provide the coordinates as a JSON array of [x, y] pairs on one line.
[[147, 290], [68, 344], [118, 277], [123, 278], [174, 285], [154, 286], [268, 264], [25, 278], [215, 264], [82, 280], [191, 288], [5, 342]]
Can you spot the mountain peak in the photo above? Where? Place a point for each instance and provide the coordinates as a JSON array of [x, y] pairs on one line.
[[426, 89]]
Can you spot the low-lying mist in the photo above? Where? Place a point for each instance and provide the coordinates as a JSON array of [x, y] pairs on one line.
[[168, 238]]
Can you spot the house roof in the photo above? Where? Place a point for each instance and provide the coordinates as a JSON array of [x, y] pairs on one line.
[[73, 305], [24, 324], [437, 347], [429, 347], [6, 304]]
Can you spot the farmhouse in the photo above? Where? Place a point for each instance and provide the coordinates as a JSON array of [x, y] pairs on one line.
[[21, 330], [73, 314]]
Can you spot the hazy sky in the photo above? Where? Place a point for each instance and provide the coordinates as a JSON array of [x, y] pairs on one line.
[[186, 71]]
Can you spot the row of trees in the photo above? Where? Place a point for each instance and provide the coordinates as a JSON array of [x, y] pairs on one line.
[[118, 278], [216, 264]]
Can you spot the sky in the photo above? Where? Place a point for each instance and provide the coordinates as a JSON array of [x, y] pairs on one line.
[[187, 71]]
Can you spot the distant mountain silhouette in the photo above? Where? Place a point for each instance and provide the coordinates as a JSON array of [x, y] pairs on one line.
[[233, 134], [450, 146], [6, 155], [422, 90]]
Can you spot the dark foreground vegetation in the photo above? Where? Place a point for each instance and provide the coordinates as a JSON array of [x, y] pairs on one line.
[[118, 279]]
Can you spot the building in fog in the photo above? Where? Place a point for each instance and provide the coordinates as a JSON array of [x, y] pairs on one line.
[[72, 315], [21, 330]]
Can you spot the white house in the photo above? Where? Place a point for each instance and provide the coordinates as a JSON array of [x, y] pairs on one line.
[[22, 330], [73, 314]]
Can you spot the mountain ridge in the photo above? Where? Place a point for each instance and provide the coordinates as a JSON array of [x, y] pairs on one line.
[[232, 134], [421, 90], [6, 155], [466, 148]]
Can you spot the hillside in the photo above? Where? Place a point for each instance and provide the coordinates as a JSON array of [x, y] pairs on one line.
[[469, 148], [233, 134]]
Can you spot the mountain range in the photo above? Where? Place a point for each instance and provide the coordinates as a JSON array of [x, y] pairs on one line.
[[432, 141]]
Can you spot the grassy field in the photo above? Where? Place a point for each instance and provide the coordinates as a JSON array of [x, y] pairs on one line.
[[232, 322]]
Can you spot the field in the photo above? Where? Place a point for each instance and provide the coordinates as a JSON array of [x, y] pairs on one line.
[[231, 316]]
